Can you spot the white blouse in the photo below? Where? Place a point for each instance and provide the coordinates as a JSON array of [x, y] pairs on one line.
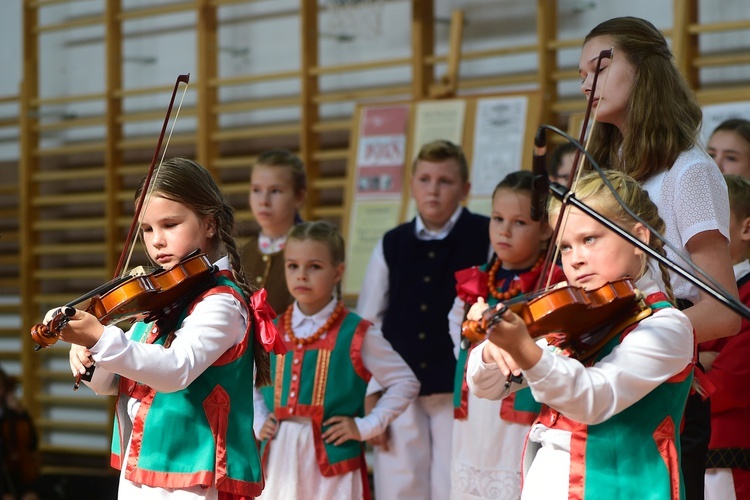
[[692, 198]]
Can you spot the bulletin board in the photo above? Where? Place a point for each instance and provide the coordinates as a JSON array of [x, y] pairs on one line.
[[496, 133]]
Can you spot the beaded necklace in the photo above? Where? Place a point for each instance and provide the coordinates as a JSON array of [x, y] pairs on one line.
[[318, 333], [514, 288]]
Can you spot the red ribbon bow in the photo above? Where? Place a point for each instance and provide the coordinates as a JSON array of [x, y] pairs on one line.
[[471, 283], [265, 329]]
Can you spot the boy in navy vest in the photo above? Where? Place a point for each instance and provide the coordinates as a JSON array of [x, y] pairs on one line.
[[408, 291]]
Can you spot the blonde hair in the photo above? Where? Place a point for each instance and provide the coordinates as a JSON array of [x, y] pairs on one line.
[[592, 191], [322, 232]]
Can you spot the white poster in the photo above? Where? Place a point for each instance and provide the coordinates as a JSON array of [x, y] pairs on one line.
[[499, 133]]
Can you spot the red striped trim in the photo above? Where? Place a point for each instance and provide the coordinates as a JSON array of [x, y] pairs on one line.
[[236, 351], [217, 406], [576, 488], [355, 351], [510, 414], [136, 437], [462, 412], [665, 436], [553, 419]]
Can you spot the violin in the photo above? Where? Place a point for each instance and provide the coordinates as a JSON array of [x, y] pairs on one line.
[[568, 312], [147, 297]]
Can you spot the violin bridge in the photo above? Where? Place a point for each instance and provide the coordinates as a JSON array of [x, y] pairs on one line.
[[640, 297], [138, 271]]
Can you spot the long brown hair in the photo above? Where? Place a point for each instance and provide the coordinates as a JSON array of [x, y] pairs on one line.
[[663, 117], [186, 182]]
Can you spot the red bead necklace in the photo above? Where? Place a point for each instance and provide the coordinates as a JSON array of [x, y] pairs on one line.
[[318, 333], [514, 288]]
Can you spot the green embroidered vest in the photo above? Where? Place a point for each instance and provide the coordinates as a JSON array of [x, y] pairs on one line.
[[638, 446], [323, 379], [200, 435]]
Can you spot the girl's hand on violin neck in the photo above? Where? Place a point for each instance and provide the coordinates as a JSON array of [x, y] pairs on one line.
[[477, 309], [82, 329], [512, 336], [341, 430], [79, 358]]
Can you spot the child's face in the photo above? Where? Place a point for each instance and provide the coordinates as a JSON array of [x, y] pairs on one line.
[[739, 237], [592, 255], [171, 231], [273, 200], [610, 100], [730, 152], [516, 239], [311, 276], [438, 189]]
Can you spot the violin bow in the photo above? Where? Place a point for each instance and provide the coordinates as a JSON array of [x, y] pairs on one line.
[[545, 277], [145, 195]]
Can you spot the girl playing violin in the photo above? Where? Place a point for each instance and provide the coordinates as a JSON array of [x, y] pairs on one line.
[[184, 409], [314, 412], [608, 426], [519, 243]]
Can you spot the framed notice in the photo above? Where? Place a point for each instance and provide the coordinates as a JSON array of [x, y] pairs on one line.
[[500, 142], [375, 184]]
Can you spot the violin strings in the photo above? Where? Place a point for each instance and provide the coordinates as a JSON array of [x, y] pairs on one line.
[[565, 213], [150, 187]]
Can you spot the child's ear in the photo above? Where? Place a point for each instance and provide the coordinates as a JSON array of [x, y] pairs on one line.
[[211, 226], [745, 225], [300, 199], [642, 233], [339, 272], [465, 191]]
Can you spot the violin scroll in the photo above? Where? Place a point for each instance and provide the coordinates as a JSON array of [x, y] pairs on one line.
[[475, 330], [46, 335]]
